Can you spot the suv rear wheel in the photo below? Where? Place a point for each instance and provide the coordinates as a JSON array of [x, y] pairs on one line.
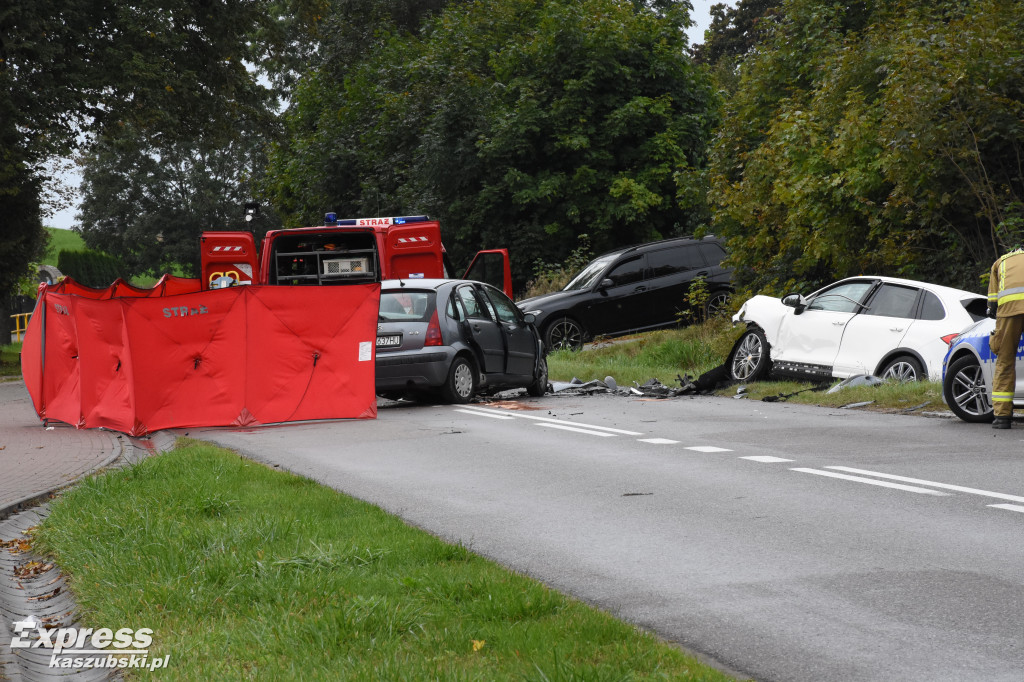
[[903, 368], [716, 304]]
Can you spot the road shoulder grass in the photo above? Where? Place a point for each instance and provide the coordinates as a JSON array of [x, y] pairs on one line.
[[244, 572]]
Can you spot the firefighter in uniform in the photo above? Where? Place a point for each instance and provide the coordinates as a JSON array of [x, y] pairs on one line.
[[1006, 305]]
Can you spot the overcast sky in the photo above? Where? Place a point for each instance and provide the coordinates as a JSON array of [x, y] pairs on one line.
[[701, 16]]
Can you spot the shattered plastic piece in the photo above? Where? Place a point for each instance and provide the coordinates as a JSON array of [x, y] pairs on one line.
[[610, 383], [852, 405], [740, 390], [858, 380], [917, 407]]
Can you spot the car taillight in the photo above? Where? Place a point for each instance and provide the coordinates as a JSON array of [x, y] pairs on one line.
[[433, 332], [948, 338]]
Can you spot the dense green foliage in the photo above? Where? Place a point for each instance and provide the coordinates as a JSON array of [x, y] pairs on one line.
[[91, 268], [148, 202], [875, 137], [519, 123]]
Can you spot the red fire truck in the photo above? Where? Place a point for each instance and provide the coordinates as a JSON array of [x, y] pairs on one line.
[[342, 252]]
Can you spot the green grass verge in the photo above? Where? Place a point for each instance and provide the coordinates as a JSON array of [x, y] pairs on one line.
[[244, 572], [10, 360], [701, 347], [662, 355]]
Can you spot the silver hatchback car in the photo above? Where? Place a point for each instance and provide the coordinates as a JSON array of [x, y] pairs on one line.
[[454, 338]]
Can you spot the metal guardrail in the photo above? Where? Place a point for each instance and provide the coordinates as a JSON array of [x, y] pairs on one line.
[[20, 323]]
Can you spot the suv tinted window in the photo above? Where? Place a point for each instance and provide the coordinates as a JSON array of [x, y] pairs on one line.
[[932, 308], [676, 259], [628, 271], [713, 253], [892, 300]]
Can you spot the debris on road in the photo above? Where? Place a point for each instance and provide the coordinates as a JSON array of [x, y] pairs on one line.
[[652, 388], [858, 380]]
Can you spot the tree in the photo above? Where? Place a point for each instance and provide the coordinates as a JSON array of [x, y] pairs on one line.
[[519, 123], [70, 68], [735, 31], [147, 202], [883, 141]]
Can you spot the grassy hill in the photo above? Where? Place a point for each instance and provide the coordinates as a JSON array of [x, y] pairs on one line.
[[61, 240]]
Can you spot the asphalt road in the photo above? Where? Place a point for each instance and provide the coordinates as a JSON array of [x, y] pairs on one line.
[[781, 542]]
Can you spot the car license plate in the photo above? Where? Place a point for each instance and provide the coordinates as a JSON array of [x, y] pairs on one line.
[[390, 340]]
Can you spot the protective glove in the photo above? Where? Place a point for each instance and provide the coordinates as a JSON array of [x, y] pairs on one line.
[[991, 312]]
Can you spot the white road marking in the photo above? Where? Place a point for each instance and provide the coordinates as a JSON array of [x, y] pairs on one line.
[[945, 486], [658, 441], [708, 448], [484, 414], [484, 410], [1011, 507], [767, 459], [872, 481], [563, 427]]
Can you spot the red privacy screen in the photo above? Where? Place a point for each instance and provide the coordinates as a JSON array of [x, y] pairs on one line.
[[140, 360]]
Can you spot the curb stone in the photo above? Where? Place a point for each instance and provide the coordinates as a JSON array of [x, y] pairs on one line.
[[44, 594]]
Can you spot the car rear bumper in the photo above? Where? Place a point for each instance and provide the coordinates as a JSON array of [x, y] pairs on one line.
[[416, 369]]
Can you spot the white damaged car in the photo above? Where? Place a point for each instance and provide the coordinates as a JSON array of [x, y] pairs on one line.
[[892, 328]]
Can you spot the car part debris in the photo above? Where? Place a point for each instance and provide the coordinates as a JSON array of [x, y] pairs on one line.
[[858, 380], [853, 405]]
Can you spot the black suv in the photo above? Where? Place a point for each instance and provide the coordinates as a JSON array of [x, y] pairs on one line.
[[632, 289]]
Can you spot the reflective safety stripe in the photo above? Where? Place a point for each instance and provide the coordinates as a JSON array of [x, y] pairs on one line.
[[1007, 292], [993, 297], [1011, 297], [1002, 397]]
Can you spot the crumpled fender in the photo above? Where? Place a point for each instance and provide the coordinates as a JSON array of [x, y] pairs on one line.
[[766, 312]]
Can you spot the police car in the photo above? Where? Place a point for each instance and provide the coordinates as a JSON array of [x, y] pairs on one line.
[[967, 374]]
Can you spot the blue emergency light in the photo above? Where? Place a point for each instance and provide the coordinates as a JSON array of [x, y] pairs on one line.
[[332, 219]]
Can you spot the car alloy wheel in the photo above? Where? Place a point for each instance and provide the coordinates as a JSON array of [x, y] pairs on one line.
[[565, 333], [965, 391], [903, 369], [750, 358], [716, 304]]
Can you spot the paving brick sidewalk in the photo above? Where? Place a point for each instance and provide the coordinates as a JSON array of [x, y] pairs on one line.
[[35, 459]]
